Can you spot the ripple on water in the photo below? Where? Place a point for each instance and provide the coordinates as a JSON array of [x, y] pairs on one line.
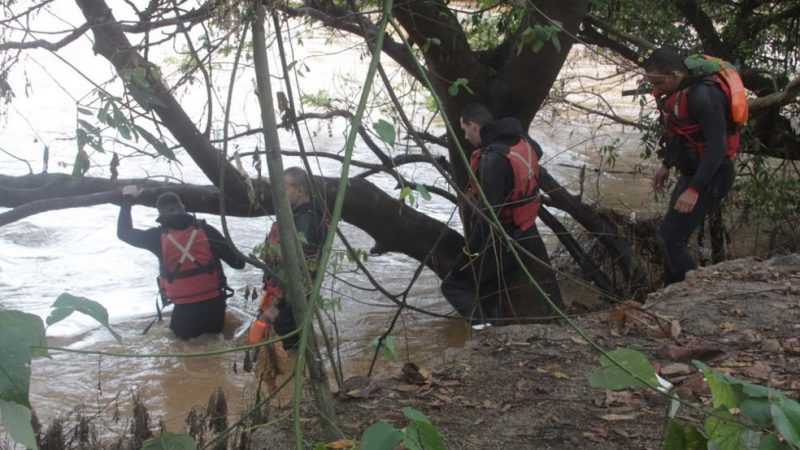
[[26, 234]]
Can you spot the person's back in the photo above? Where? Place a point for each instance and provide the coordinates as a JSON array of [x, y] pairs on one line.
[[505, 164], [189, 253], [507, 168]]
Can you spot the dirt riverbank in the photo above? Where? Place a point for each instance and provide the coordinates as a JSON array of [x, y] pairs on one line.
[[526, 387]]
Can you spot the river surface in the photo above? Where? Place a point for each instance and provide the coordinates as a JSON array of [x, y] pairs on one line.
[[76, 251]]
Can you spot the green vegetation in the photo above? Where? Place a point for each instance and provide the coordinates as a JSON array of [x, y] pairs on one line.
[[744, 415]]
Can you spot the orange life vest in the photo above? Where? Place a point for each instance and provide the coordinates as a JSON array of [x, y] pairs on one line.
[[522, 204], [190, 273], [674, 109], [675, 116]]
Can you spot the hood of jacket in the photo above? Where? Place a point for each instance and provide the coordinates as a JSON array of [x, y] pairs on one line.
[[506, 131], [176, 221]]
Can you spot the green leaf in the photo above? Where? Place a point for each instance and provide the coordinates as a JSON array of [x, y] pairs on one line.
[[464, 83], [124, 131], [423, 191], [387, 347], [772, 442], [89, 127], [15, 354], [722, 392], [84, 111], [385, 131], [757, 410], [66, 304], [786, 417], [16, 419], [103, 117], [415, 415], [739, 390], [119, 118], [159, 145], [610, 376], [422, 436], [170, 441], [680, 438], [381, 436], [452, 90], [724, 431], [407, 194], [556, 42], [27, 327]]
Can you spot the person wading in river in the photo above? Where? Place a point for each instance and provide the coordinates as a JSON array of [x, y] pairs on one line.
[[700, 142], [506, 163], [310, 224], [189, 252]]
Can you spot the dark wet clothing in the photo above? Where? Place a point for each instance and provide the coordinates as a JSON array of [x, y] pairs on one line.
[[710, 173], [708, 107], [475, 284], [676, 229], [194, 319], [309, 221]]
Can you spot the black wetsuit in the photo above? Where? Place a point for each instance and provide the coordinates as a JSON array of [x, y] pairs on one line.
[[193, 319], [474, 286], [310, 222], [711, 174]]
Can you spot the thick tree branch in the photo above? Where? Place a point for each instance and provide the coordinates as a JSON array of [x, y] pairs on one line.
[[704, 27], [112, 43], [591, 34], [388, 221], [782, 98]]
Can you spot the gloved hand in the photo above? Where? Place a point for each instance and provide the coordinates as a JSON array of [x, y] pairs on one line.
[[131, 191]]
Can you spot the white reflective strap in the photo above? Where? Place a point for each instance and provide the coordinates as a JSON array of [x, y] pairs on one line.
[[524, 161], [184, 250]]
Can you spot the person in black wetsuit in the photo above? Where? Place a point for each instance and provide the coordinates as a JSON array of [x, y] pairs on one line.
[[700, 142], [189, 252], [310, 224], [506, 164]]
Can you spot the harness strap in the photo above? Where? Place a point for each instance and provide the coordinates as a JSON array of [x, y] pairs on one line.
[[184, 250], [525, 162], [191, 272], [522, 201]]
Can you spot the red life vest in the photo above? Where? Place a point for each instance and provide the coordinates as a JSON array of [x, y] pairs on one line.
[[522, 204], [189, 271], [674, 110], [274, 237]]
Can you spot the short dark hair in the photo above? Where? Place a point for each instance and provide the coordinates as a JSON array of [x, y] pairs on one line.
[[300, 178], [476, 113], [664, 60], [169, 201]]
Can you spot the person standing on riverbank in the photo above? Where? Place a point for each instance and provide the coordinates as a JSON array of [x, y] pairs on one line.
[[189, 252], [506, 163], [310, 224], [700, 142]]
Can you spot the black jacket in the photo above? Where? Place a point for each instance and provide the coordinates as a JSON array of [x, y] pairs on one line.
[[709, 108], [150, 239]]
